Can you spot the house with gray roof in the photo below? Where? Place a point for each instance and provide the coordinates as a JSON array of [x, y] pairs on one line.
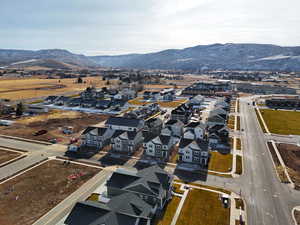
[[194, 130], [151, 184], [126, 141], [124, 123], [193, 151], [123, 209], [97, 137], [158, 147]]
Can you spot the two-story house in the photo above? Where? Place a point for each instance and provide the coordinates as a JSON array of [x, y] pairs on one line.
[[152, 184], [97, 137], [193, 151], [194, 130], [125, 124], [153, 126], [126, 141], [173, 128], [158, 147]]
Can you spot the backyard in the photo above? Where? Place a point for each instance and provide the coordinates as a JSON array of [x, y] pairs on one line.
[[27, 197]]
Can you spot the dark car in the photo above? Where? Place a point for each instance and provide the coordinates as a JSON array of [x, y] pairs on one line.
[[40, 132]]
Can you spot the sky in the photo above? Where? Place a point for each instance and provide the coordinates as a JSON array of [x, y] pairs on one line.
[[110, 27]]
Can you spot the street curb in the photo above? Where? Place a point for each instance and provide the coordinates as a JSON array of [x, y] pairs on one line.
[[12, 160], [27, 140], [296, 208]]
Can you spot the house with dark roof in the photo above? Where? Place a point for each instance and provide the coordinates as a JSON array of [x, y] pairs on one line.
[[193, 151], [97, 137], [194, 130], [153, 126], [219, 137], [183, 113], [103, 104], [62, 100], [151, 184], [123, 209], [74, 102], [50, 99], [173, 128], [126, 124], [126, 141], [217, 117], [158, 147]]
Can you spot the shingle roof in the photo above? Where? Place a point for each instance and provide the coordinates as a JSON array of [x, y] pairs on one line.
[[123, 121]]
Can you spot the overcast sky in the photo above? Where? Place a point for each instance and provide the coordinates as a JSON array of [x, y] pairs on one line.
[[96, 27]]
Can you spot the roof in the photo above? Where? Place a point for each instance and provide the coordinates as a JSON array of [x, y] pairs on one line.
[[124, 209], [161, 139], [151, 181], [123, 121], [172, 122], [196, 124], [97, 131], [195, 144]]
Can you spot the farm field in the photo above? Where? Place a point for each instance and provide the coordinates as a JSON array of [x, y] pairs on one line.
[[7, 155], [17, 89], [53, 122], [27, 197], [282, 122], [196, 204]]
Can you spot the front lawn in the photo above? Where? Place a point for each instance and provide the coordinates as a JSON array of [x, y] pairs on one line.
[[219, 162], [203, 208], [282, 122], [169, 212], [239, 164]]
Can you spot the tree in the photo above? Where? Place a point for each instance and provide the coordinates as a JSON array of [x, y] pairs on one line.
[[79, 80], [107, 82], [20, 109]]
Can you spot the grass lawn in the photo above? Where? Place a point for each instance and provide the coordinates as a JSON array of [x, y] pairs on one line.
[[239, 164], [172, 104], [238, 123], [137, 101], [230, 122], [203, 208], [220, 162], [8, 155], [169, 212], [27, 197], [282, 122], [260, 121], [239, 203]]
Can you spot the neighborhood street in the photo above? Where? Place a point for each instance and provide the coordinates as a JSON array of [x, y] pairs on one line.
[[269, 202]]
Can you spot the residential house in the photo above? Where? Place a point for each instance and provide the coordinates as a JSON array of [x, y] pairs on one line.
[[182, 113], [173, 128], [74, 102], [97, 137], [193, 151], [125, 124], [151, 184], [103, 104], [217, 116], [123, 209], [153, 126], [62, 100], [158, 147], [50, 99], [167, 94], [126, 141], [88, 103], [194, 130]]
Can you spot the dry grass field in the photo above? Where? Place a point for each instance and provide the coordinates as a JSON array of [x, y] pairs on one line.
[[220, 162], [208, 208], [169, 212], [7, 155], [17, 89], [27, 197]]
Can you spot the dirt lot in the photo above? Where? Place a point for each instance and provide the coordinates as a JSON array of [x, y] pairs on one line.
[[27, 197], [291, 157], [7, 155], [53, 122], [16, 89]]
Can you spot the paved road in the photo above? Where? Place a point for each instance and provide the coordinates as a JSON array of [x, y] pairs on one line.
[[269, 202]]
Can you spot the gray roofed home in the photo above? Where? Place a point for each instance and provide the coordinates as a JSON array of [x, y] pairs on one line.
[[123, 123], [97, 137], [152, 184], [158, 147], [124, 209]]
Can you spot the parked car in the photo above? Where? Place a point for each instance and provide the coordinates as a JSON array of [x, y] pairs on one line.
[[40, 132]]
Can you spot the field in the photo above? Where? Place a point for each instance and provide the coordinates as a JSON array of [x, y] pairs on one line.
[[196, 204], [169, 212], [27, 197], [291, 157], [16, 89], [220, 162], [7, 155], [260, 121], [282, 122], [53, 122], [172, 104], [138, 101]]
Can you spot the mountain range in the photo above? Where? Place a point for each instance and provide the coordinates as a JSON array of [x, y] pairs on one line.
[[201, 57]]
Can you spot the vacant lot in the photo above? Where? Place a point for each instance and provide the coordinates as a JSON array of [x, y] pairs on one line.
[[138, 101], [291, 157], [282, 122], [7, 155], [16, 89], [172, 104], [169, 211], [206, 209], [53, 122], [27, 197], [220, 162]]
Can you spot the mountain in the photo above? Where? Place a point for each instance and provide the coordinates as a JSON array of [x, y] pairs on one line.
[[8, 57], [216, 56]]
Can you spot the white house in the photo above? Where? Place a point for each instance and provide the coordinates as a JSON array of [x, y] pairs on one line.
[[158, 147], [126, 141], [194, 130], [97, 137], [193, 151]]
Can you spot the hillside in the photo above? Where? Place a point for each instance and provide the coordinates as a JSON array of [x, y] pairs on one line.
[[216, 56]]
